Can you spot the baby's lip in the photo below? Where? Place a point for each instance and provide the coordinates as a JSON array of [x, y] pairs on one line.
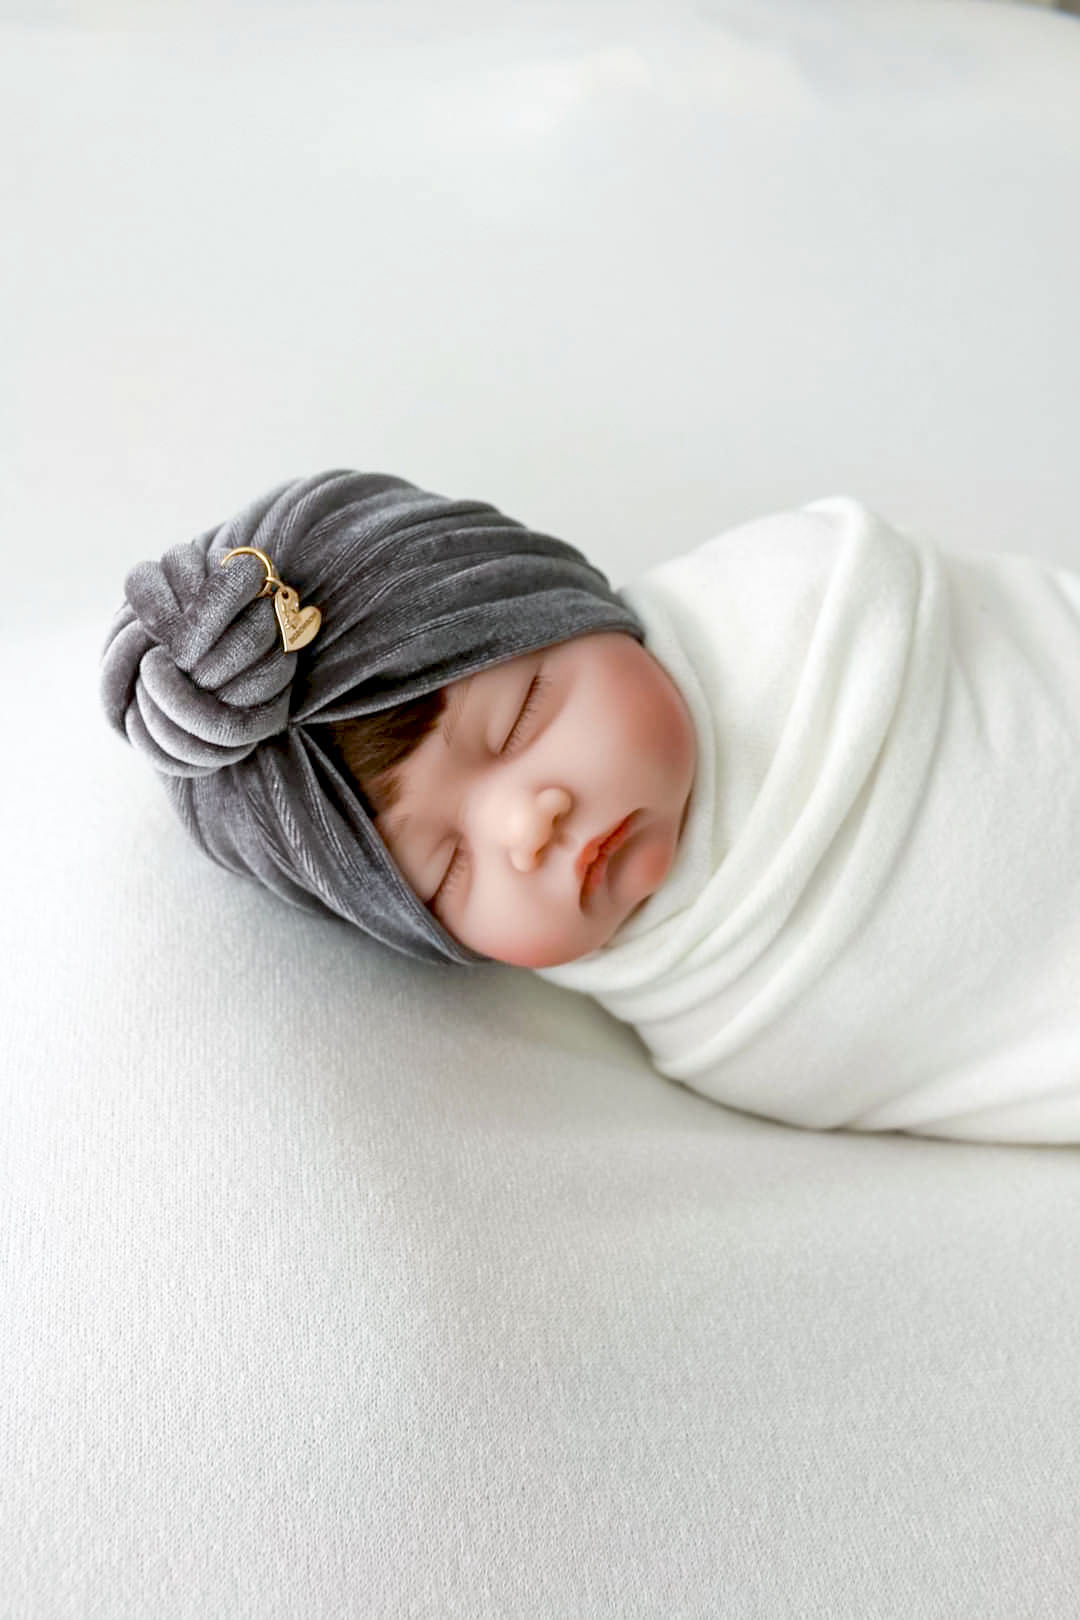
[[592, 849]]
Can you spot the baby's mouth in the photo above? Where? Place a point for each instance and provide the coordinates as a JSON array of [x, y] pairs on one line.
[[592, 862]]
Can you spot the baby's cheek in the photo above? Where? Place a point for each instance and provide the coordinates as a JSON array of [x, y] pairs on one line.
[[655, 861], [645, 865]]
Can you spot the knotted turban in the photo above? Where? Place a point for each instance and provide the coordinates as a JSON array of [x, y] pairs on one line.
[[415, 591]]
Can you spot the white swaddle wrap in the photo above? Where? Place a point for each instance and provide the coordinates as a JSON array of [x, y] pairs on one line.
[[873, 918]]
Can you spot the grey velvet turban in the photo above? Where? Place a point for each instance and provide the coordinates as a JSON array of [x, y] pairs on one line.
[[415, 591]]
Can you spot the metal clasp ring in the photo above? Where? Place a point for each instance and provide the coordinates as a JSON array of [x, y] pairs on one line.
[[271, 583]]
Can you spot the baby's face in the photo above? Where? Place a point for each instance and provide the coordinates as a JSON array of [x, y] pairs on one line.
[[498, 806]]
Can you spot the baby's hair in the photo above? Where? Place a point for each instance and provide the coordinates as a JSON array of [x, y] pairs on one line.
[[373, 744]]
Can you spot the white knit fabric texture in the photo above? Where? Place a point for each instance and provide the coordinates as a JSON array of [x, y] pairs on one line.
[[873, 918]]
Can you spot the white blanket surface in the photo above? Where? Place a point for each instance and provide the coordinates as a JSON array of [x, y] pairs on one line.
[[873, 919]]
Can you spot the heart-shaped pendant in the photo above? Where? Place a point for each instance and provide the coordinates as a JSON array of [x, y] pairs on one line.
[[298, 625]]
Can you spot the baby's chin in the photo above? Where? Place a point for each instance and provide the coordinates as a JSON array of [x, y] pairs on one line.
[[548, 954], [555, 954], [551, 956]]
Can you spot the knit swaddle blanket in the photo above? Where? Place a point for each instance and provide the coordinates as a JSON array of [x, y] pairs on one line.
[[873, 919]]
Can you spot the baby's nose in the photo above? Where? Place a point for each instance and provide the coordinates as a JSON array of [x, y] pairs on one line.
[[537, 818]]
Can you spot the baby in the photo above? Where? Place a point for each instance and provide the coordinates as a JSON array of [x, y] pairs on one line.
[[800, 806]]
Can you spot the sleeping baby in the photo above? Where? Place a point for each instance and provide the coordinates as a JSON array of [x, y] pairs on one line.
[[801, 806]]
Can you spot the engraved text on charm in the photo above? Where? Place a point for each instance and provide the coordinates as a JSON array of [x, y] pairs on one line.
[[298, 625]]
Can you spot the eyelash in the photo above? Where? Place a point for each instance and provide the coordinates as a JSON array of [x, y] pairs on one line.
[[455, 871], [532, 697]]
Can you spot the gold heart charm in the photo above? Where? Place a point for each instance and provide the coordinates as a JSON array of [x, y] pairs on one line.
[[298, 625]]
